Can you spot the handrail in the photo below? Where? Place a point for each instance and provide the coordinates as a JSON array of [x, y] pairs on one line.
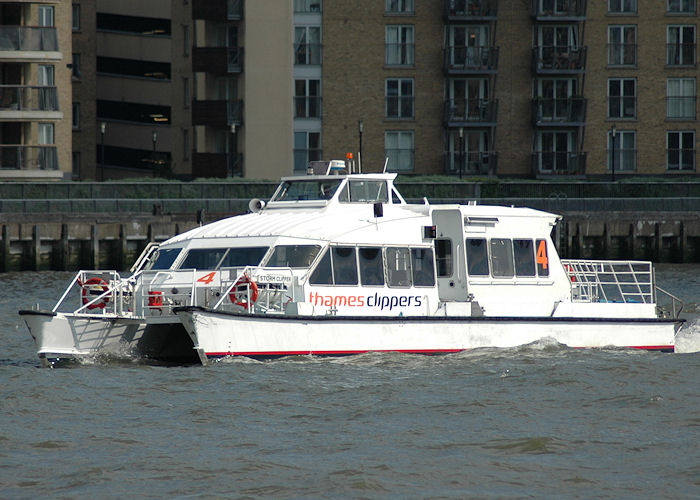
[[610, 280], [675, 301]]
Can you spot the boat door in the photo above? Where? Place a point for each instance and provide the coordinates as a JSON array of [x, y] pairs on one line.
[[449, 255]]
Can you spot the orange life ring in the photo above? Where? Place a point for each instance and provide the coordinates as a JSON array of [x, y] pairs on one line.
[[93, 288], [239, 293]]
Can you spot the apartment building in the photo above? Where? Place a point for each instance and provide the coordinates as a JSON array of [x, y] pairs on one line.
[[35, 100]]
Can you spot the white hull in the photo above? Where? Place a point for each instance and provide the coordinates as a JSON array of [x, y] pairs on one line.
[[217, 334], [61, 337]]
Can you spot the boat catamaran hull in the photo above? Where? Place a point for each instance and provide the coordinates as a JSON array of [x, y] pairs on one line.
[[260, 336], [338, 263]]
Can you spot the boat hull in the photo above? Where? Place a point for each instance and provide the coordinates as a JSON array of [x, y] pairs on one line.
[[217, 334], [61, 337]]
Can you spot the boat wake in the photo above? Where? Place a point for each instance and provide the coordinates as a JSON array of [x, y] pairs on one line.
[[688, 337]]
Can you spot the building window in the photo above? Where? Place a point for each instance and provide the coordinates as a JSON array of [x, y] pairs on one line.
[[186, 40], [307, 5], [46, 133], [187, 98], [557, 153], [622, 98], [307, 98], [680, 45], [75, 67], [76, 166], [133, 112], [399, 45], [307, 45], [680, 150], [399, 98], [622, 151], [76, 17], [622, 45], [76, 115], [680, 98], [622, 6], [681, 6], [46, 15], [399, 150], [307, 147], [400, 7], [186, 144]]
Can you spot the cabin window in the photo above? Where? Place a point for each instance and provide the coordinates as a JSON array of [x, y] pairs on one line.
[[364, 191], [524, 258], [164, 258], [443, 259], [477, 257], [323, 274], [371, 266], [398, 267], [344, 265], [542, 258], [423, 269], [294, 256], [214, 258], [501, 258], [306, 190]]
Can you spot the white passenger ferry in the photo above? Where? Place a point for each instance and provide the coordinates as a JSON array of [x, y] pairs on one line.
[[338, 263]]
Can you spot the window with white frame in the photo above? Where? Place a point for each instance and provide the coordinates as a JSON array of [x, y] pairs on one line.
[[400, 45], [307, 98], [399, 98], [622, 98], [557, 152], [307, 5], [680, 98], [400, 6], [680, 45], [399, 149], [307, 45], [46, 15], [622, 6], [46, 133], [622, 45], [680, 150], [307, 147], [469, 46], [681, 6], [622, 150]]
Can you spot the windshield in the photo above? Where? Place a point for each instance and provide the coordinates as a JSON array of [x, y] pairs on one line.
[[299, 256], [214, 258], [307, 190], [364, 191], [163, 259]]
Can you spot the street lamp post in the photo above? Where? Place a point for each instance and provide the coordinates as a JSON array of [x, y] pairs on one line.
[[103, 127], [154, 137], [613, 133], [461, 151], [360, 127], [232, 150]]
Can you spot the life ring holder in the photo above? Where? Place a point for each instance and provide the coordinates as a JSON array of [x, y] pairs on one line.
[[570, 272], [238, 293], [94, 286]]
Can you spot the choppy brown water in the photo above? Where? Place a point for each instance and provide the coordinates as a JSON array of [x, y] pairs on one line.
[[540, 420]]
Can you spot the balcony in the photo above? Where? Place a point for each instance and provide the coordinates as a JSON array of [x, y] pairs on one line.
[[19, 157], [472, 163], [28, 42], [219, 113], [559, 10], [470, 10], [570, 111], [558, 164], [231, 10], [460, 60], [471, 112], [219, 165], [23, 102], [560, 60], [217, 60]]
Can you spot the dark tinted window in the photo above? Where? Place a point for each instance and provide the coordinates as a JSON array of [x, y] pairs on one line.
[[133, 24], [398, 266], [323, 275], [298, 256], [502, 257], [443, 249], [344, 266], [239, 257], [477, 257], [133, 67], [423, 269], [524, 258], [203, 258], [163, 259], [371, 266]]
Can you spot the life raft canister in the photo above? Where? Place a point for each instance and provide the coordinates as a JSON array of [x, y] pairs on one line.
[[93, 288], [239, 293]]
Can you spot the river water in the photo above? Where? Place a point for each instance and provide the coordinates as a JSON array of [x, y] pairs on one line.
[[536, 421]]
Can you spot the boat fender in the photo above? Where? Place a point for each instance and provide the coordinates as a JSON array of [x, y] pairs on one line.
[[91, 289], [238, 294]]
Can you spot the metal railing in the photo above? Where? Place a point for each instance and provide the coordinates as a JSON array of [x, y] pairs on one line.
[[18, 157], [611, 281], [29, 38], [28, 98]]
